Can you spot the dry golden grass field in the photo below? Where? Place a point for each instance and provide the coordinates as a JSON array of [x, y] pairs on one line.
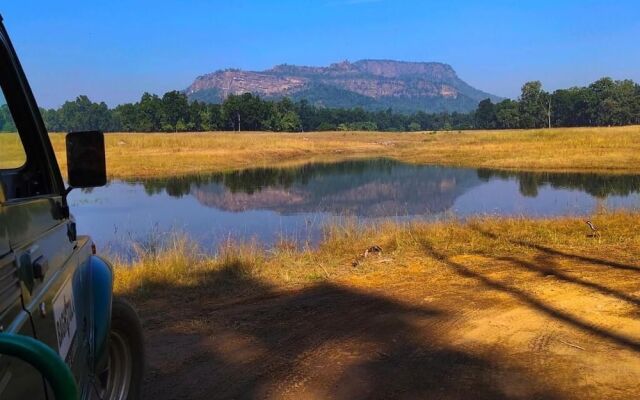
[[615, 150]]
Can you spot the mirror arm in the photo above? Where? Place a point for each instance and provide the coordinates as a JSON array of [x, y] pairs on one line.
[[63, 206]]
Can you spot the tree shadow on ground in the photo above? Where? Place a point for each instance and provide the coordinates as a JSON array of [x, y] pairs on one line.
[[546, 266], [532, 301], [546, 263], [555, 252], [325, 341]]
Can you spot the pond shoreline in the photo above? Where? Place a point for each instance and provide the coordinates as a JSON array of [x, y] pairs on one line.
[[292, 204]]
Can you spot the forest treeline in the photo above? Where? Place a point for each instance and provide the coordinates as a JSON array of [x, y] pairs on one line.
[[605, 102]]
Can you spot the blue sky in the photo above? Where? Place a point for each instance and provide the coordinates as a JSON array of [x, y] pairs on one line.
[[114, 50]]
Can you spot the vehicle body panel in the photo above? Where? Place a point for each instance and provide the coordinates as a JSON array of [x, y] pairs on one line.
[[18, 380], [40, 254]]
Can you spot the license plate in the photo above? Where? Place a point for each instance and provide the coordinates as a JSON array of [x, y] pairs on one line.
[[64, 313]]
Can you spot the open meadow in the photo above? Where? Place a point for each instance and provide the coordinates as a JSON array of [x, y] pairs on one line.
[[136, 155]]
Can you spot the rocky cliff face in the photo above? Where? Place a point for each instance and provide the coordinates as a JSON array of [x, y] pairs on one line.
[[371, 84], [238, 82]]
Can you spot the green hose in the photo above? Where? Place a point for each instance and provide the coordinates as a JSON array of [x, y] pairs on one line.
[[45, 360]]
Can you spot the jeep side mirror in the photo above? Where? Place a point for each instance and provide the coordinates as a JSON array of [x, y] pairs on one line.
[[86, 166]]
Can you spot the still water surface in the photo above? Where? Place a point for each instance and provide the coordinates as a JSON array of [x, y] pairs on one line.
[[267, 204]]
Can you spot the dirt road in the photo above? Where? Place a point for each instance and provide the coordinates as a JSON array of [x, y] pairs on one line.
[[552, 325]]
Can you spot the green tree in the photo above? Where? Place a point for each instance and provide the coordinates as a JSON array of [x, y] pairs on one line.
[[181, 126], [282, 117], [211, 117], [194, 117], [6, 121], [150, 113], [244, 112], [290, 122], [571, 107], [326, 126], [175, 106], [485, 115], [51, 120], [128, 117], [507, 114], [82, 114], [614, 101], [533, 105]]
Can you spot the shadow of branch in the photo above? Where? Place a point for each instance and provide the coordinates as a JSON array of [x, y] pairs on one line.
[[551, 251], [537, 304]]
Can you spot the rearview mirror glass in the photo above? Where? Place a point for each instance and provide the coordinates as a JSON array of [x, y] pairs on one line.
[[86, 164]]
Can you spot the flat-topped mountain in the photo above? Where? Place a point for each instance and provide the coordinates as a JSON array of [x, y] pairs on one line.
[[371, 84]]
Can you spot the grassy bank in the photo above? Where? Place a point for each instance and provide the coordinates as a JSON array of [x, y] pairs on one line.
[[615, 150], [407, 249], [501, 308]]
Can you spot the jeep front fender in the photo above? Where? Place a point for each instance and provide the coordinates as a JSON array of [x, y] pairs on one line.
[[101, 289]]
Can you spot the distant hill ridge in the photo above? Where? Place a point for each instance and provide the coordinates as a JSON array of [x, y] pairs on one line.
[[370, 84]]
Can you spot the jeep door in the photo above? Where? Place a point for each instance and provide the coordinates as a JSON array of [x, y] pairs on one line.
[[41, 237], [17, 379]]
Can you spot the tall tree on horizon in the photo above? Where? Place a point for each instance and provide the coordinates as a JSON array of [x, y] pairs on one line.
[[507, 114], [175, 107], [533, 105], [485, 115], [150, 113]]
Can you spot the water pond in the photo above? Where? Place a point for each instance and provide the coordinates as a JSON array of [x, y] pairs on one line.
[[267, 204]]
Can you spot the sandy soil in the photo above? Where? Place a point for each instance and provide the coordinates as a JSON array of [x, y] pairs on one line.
[[555, 325]]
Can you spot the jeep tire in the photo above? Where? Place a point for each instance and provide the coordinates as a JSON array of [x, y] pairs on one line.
[[125, 365]]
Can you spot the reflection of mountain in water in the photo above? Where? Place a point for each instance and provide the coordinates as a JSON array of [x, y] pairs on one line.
[[597, 185], [371, 188], [374, 188]]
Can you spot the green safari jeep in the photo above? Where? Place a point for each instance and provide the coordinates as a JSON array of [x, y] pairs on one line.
[[62, 333]]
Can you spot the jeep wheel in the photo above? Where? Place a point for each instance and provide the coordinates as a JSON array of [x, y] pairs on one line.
[[122, 380]]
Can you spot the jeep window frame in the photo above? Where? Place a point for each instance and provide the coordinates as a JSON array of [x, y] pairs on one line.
[[40, 160]]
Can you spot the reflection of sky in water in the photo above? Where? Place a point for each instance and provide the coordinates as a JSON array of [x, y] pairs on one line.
[[269, 204]]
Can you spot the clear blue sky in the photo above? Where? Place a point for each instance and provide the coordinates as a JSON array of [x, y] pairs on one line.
[[114, 50]]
